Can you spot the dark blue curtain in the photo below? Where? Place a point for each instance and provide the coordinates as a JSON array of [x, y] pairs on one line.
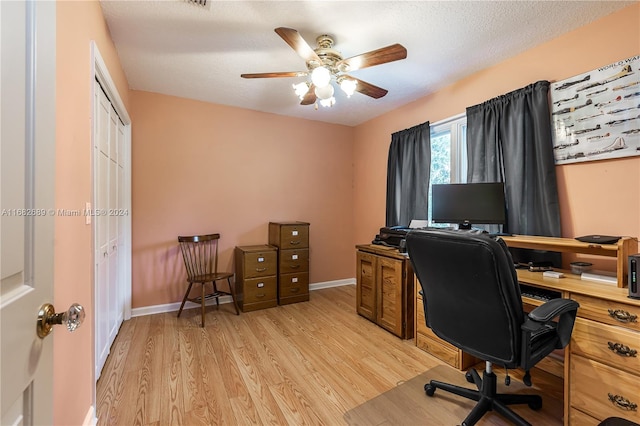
[[509, 140], [408, 170]]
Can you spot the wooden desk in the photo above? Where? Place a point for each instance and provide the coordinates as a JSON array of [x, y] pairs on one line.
[[602, 362]]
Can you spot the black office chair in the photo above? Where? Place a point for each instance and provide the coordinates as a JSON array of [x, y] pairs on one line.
[[472, 300]]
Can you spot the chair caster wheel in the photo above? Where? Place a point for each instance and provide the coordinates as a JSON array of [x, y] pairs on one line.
[[429, 389], [469, 377], [535, 405]]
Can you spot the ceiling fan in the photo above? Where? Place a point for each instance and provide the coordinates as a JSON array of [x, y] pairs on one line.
[[325, 64]]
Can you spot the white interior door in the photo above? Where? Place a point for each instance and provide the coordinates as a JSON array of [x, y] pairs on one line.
[[27, 128], [111, 212]]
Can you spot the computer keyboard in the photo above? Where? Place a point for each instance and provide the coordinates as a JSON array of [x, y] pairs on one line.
[[537, 293]]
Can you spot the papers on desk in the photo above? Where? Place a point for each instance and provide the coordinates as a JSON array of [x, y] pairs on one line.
[[416, 224], [605, 277]]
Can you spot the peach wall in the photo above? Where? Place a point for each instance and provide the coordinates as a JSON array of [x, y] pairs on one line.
[[201, 168], [595, 197], [77, 24]]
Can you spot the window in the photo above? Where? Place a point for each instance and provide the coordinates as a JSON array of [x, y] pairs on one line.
[[448, 152]]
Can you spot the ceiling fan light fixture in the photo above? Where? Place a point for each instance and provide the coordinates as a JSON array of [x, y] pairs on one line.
[[348, 86], [328, 102], [325, 92], [301, 89], [320, 76]]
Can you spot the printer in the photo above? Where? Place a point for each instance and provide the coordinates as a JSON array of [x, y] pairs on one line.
[[393, 236]]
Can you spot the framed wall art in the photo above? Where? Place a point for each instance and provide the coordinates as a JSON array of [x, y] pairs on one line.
[[596, 115]]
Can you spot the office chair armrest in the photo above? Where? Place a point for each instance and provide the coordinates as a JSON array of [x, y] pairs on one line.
[[551, 309], [540, 319]]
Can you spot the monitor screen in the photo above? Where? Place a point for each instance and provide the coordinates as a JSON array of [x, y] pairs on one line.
[[468, 203]]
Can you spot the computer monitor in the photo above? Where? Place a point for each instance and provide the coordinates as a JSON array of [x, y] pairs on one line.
[[468, 204]]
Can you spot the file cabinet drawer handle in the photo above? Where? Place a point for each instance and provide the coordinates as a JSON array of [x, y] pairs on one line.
[[294, 242], [261, 269], [295, 289], [622, 350], [623, 403], [294, 266], [622, 316], [260, 296]]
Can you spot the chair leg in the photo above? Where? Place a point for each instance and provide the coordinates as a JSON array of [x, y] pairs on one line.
[[202, 303], [481, 408], [487, 397], [501, 408], [232, 289], [184, 299], [215, 291]]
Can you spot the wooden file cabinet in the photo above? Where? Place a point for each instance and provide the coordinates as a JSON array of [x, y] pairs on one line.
[[385, 289], [292, 240], [256, 277]]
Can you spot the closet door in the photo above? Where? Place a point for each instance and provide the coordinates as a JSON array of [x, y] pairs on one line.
[[112, 225], [101, 224], [108, 215]]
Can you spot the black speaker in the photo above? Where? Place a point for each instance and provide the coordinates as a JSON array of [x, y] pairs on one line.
[[634, 288]]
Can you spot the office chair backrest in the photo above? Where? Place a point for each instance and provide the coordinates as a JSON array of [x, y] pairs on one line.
[[471, 292], [200, 254]]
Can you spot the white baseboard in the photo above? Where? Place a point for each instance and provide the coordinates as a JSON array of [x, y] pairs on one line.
[[90, 419], [172, 307]]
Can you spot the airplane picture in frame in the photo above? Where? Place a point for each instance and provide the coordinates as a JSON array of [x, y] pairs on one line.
[[596, 115]]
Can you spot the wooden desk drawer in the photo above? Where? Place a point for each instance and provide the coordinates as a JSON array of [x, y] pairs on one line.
[[614, 313], [294, 261], [611, 345], [260, 264], [578, 418], [602, 391], [438, 348], [421, 327], [260, 289]]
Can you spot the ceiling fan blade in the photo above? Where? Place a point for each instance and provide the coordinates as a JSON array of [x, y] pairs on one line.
[[275, 74], [297, 43], [310, 96], [395, 52], [369, 89]]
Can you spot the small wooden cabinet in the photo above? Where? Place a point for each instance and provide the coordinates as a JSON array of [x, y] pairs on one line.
[[385, 289], [292, 240], [256, 277]]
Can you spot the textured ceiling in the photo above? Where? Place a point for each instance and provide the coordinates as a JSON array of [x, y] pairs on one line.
[[181, 49]]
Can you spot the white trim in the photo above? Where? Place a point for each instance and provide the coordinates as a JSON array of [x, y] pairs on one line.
[[172, 307], [448, 119], [90, 419], [101, 72], [329, 284]]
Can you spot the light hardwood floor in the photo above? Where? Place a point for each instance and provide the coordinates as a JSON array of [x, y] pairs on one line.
[[316, 362]]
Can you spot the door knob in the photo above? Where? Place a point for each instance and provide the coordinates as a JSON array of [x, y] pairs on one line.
[[47, 318]]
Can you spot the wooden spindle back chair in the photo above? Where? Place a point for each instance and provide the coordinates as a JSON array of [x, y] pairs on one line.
[[200, 254]]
